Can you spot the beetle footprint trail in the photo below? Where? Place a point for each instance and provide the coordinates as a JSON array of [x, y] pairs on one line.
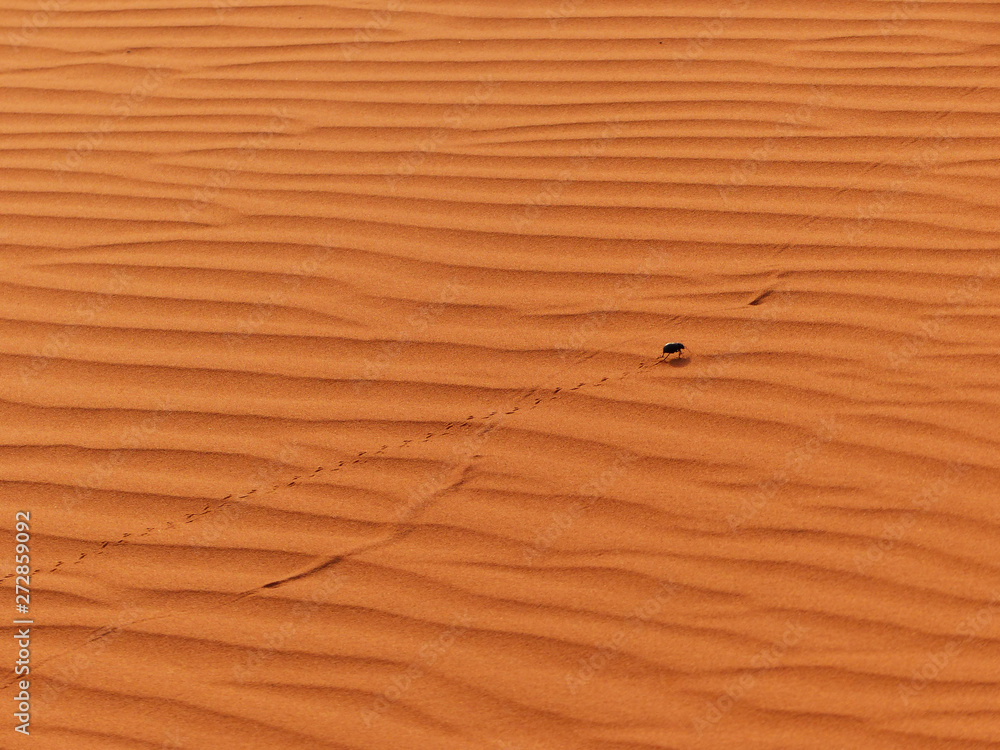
[[361, 457]]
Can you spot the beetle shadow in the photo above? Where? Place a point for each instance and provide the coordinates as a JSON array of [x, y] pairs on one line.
[[679, 362]]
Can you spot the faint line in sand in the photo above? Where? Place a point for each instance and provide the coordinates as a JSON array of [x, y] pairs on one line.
[[66, 669]]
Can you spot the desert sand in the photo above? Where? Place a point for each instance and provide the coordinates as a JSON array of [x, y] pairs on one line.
[[331, 379]]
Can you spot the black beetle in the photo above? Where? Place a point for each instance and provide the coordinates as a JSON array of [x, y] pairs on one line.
[[671, 348]]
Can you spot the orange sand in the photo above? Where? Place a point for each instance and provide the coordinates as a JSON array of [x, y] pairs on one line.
[[329, 338]]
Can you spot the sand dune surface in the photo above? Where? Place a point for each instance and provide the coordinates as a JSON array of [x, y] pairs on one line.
[[330, 375]]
